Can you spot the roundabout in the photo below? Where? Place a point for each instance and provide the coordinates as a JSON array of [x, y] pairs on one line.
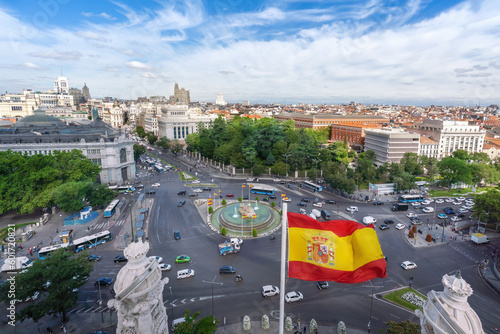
[[240, 218]]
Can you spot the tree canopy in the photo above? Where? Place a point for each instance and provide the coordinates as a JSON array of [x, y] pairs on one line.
[[30, 182], [56, 278], [191, 325]]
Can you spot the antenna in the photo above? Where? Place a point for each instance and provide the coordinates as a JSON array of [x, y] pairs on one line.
[[61, 71]]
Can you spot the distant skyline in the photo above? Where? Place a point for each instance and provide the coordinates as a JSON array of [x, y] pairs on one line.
[[419, 52]]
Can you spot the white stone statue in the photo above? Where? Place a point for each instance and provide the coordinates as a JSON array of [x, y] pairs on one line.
[[265, 322], [246, 323], [341, 328], [313, 326], [139, 294], [288, 324], [246, 210], [448, 311]]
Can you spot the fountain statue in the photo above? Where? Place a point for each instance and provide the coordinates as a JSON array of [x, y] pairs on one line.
[[246, 210], [235, 213]]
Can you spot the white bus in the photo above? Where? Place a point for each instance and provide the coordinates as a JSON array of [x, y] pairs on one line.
[[91, 240], [45, 251], [311, 186]]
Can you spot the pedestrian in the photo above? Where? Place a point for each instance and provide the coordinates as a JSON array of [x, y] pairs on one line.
[[31, 253], [305, 330], [57, 230]]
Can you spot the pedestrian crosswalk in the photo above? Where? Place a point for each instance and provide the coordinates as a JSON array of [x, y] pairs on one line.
[[107, 224], [104, 308]]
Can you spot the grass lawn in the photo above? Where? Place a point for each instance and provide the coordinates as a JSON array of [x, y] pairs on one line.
[[395, 297]]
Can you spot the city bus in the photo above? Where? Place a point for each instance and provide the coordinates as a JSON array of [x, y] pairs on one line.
[[311, 186], [411, 198], [45, 251], [111, 208], [91, 240], [262, 190]]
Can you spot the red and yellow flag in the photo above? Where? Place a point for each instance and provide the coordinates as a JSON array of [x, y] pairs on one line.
[[343, 251], [244, 216], [220, 191], [283, 194], [254, 216], [209, 201], [243, 186], [216, 195], [250, 185]]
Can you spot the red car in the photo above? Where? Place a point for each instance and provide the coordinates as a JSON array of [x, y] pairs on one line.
[[229, 195]]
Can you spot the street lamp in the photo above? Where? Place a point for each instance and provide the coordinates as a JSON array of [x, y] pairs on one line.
[[286, 162], [171, 304], [213, 282], [316, 169]]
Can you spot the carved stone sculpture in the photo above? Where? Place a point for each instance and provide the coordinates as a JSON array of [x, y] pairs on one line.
[[246, 210], [341, 328], [246, 323]]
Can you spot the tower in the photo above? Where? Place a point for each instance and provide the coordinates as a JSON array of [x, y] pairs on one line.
[[61, 85], [86, 92]]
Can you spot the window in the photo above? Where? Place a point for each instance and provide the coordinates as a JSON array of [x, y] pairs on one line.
[[123, 155], [96, 161]]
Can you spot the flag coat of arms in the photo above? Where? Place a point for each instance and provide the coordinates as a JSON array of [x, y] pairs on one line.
[[343, 251]]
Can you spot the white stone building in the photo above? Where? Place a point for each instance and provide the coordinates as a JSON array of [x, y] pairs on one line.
[[452, 135], [391, 144], [177, 121], [220, 100]]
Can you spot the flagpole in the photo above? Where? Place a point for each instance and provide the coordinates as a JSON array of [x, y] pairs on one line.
[[284, 237]]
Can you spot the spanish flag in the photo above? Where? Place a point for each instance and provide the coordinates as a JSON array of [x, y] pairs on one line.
[[244, 216], [243, 186], [283, 194], [343, 251], [254, 216], [216, 195]]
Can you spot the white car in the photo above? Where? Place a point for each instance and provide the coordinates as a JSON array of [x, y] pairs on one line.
[[407, 265], [195, 181], [318, 204], [463, 210], [456, 219], [269, 290], [287, 199], [439, 201], [157, 258], [164, 267], [415, 204], [461, 199], [197, 190], [428, 209], [411, 215], [276, 180], [352, 208], [250, 179], [185, 273], [399, 226], [457, 203], [293, 296], [155, 185], [449, 200], [426, 202]]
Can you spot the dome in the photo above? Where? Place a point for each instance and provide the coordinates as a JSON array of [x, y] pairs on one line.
[[39, 119]]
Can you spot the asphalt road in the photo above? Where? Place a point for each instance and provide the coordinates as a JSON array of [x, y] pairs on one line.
[[259, 264]]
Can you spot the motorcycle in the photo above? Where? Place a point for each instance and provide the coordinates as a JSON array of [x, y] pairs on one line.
[[273, 237], [238, 278]]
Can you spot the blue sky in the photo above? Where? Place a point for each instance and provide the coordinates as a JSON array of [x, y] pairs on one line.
[[371, 51]]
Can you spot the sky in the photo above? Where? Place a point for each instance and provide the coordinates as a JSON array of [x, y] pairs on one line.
[[417, 52]]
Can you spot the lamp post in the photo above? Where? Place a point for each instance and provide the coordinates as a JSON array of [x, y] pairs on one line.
[[371, 307], [442, 235], [316, 169], [213, 282], [286, 162], [171, 304]]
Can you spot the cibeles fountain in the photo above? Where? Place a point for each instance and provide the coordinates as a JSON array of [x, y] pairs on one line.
[[448, 311], [139, 293]]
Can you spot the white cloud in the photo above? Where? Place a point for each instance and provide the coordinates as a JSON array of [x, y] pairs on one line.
[[33, 66], [103, 15], [137, 65]]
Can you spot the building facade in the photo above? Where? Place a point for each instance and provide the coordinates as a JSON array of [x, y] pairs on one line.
[[181, 96], [390, 144], [452, 135], [321, 121], [103, 145], [176, 122]]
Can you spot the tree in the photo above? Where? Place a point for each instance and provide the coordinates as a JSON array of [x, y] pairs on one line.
[[176, 147], [71, 196], [164, 143], [57, 279], [138, 151], [454, 170], [140, 131], [411, 164], [432, 167], [461, 154], [487, 207], [404, 327], [205, 325], [152, 138]]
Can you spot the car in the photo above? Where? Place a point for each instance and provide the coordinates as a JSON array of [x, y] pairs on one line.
[[269, 290], [462, 210], [428, 209], [461, 215], [227, 270], [276, 180], [426, 202], [245, 197], [177, 235], [182, 259], [164, 267], [206, 189], [439, 201], [442, 216], [318, 204], [449, 200], [457, 203], [195, 181], [399, 226], [415, 204], [449, 212], [103, 281], [411, 215], [302, 204], [415, 221], [287, 199], [94, 257], [455, 219], [250, 179], [229, 195], [197, 190], [447, 208], [157, 258], [378, 203], [303, 211], [461, 199], [272, 197], [181, 203], [352, 208], [150, 192], [331, 201], [322, 285], [185, 273], [388, 221], [282, 182], [155, 185], [120, 258], [384, 227], [182, 192], [265, 199], [407, 265], [293, 296], [305, 200]]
